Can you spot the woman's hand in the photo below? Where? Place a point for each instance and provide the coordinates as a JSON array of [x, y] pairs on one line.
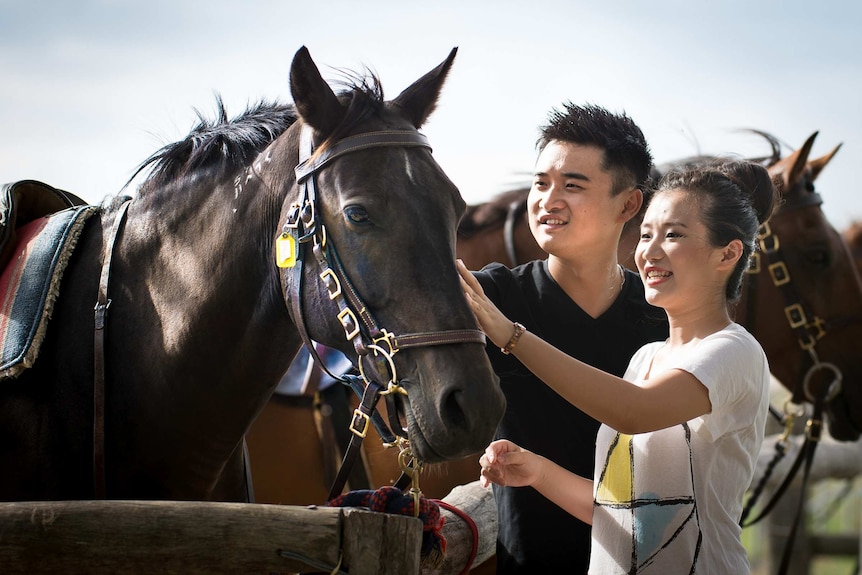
[[509, 465], [506, 464], [496, 326]]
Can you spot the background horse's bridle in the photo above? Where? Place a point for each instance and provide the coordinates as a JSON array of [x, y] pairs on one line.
[[375, 346], [808, 329]]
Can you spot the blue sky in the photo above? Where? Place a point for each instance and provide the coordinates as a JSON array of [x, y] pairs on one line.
[[89, 89]]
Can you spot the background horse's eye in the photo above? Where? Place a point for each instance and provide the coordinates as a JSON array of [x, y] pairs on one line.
[[820, 257], [357, 215]]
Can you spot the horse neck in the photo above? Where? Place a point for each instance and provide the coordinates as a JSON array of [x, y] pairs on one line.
[[212, 292]]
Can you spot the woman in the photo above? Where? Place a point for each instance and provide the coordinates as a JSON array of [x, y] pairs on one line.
[[682, 429]]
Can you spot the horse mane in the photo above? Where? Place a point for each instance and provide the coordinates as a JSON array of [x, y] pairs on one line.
[[491, 214], [231, 143]]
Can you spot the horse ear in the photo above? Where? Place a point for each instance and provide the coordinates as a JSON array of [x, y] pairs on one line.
[[420, 99], [788, 170], [315, 101], [818, 164]]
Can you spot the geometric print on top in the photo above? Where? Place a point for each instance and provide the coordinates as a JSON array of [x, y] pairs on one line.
[[653, 498]]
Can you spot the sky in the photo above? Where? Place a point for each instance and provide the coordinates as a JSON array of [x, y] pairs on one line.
[[89, 89]]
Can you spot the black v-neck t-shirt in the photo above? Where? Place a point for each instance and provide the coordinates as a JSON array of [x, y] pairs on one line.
[[534, 534]]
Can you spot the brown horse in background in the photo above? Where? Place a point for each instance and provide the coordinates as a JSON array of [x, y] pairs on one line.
[[853, 237]]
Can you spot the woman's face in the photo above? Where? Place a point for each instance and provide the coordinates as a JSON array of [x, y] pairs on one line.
[[678, 265]]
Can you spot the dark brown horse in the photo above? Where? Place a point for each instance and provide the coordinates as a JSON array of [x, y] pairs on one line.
[[202, 323]]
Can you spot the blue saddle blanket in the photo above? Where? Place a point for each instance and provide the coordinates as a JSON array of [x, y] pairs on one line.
[[30, 284]]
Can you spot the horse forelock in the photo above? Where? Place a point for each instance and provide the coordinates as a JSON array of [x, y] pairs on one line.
[[228, 142], [362, 97]]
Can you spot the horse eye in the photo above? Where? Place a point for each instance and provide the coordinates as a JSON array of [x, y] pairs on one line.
[[357, 215], [819, 257]]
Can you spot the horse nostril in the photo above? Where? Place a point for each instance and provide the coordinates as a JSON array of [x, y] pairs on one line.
[[452, 412]]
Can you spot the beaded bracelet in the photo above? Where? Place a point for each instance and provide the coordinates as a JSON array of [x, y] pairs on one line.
[[516, 335]]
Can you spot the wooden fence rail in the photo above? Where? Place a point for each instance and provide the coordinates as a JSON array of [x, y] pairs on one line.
[[109, 537]]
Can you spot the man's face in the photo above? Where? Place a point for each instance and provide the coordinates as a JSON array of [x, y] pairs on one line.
[[570, 203]]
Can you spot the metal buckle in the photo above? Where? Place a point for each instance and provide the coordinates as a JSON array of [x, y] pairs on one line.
[[359, 423], [812, 336], [348, 313], [795, 315], [320, 236], [763, 244], [390, 340], [329, 280], [293, 216], [779, 273], [753, 263]]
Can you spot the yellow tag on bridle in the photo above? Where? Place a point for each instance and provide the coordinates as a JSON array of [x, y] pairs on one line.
[[285, 251]]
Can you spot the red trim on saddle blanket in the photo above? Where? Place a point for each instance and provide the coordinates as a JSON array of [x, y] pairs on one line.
[[11, 277], [30, 284]]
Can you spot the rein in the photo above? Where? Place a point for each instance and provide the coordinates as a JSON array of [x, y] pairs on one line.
[[808, 333], [375, 346]]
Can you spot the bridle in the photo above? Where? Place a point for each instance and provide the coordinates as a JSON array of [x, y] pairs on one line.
[[374, 345], [808, 329]]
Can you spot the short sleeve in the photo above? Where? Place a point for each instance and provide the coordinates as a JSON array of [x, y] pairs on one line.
[[732, 366]]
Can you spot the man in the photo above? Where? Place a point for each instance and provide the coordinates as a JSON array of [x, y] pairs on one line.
[[591, 173]]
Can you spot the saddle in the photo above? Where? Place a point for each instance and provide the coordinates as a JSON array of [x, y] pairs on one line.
[[39, 228], [22, 202]]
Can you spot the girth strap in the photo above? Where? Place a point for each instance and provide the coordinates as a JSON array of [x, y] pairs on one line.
[[101, 309]]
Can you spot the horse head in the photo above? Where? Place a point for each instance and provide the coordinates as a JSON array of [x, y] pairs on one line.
[[367, 248], [803, 262]]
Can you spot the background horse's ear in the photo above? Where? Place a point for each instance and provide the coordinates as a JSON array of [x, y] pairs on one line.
[[315, 101], [788, 170], [818, 164], [420, 99]]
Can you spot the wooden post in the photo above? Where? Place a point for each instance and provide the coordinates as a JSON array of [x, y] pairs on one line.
[[108, 537], [477, 503]]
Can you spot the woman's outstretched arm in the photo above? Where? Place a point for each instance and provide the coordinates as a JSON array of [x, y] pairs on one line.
[[668, 399]]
